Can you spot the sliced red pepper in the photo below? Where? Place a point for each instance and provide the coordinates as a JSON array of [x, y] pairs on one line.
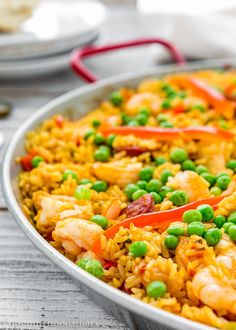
[[158, 219], [26, 162], [168, 134], [211, 95]]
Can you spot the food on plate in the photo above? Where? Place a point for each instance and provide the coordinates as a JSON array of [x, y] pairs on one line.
[[141, 192], [14, 12]]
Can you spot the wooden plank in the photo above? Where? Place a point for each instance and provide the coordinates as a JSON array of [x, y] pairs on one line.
[[34, 290]]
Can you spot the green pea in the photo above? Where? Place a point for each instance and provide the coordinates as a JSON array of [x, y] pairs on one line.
[[192, 216], [138, 249], [82, 263], [196, 228], [223, 124], [223, 182], [166, 124], [215, 191], [82, 193], [209, 178], [226, 226], [94, 267], [100, 220], [99, 186], [139, 193], [199, 107], [164, 191], [116, 99], [84, 181], [146, 173], [156, 289], [156, 197], [69, 173], [142, 184], [232, 233], [222, 174], [213, 236], [89, 133], [96, 123], [178, 155], [176, 230], [161, 117], [99, 139], [125, 118], [188, 165], [179, 198], [206, 211], [231, 164], [219, 220], [171, 242], [111, 139], [166, 104], [160, 160], [201, 169], [36, 161], [232, 217], [102, 154], [182, 94], [142, 119], [133, 123], [168, 90], [153, 185], [165, 175], [144, 110], [130, 189]]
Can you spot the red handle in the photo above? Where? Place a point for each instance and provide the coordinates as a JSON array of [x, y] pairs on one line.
[[77, 56]]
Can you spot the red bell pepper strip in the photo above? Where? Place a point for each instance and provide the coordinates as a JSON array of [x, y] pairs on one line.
[[168, 134], [158, 219], [211, 95]]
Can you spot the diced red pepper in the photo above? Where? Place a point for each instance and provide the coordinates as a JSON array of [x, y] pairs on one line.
[[59, 120], [109, 264], [26, 162]]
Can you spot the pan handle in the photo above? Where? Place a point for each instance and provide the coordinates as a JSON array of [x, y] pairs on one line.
[[78, 55]]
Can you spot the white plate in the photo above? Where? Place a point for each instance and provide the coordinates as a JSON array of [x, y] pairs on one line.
[[56, 26], [41, 66]]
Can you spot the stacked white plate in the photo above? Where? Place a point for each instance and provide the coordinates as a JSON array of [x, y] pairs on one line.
[[44, 43]]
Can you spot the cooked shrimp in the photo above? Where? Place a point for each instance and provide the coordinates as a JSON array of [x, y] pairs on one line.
[[147, 99], [215, 156], [190, 182], [74, 234], [214, 285], [117, 172], [58, 207]]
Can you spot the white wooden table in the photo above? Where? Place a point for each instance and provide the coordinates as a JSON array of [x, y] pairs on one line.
[[34, 294]]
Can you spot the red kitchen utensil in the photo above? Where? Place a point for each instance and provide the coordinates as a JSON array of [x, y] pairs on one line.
[[79, 54]]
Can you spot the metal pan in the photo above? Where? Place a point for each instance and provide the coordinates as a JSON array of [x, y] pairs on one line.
[[136, 314]]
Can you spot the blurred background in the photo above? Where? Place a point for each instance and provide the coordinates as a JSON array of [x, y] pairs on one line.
[[38, 36]]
